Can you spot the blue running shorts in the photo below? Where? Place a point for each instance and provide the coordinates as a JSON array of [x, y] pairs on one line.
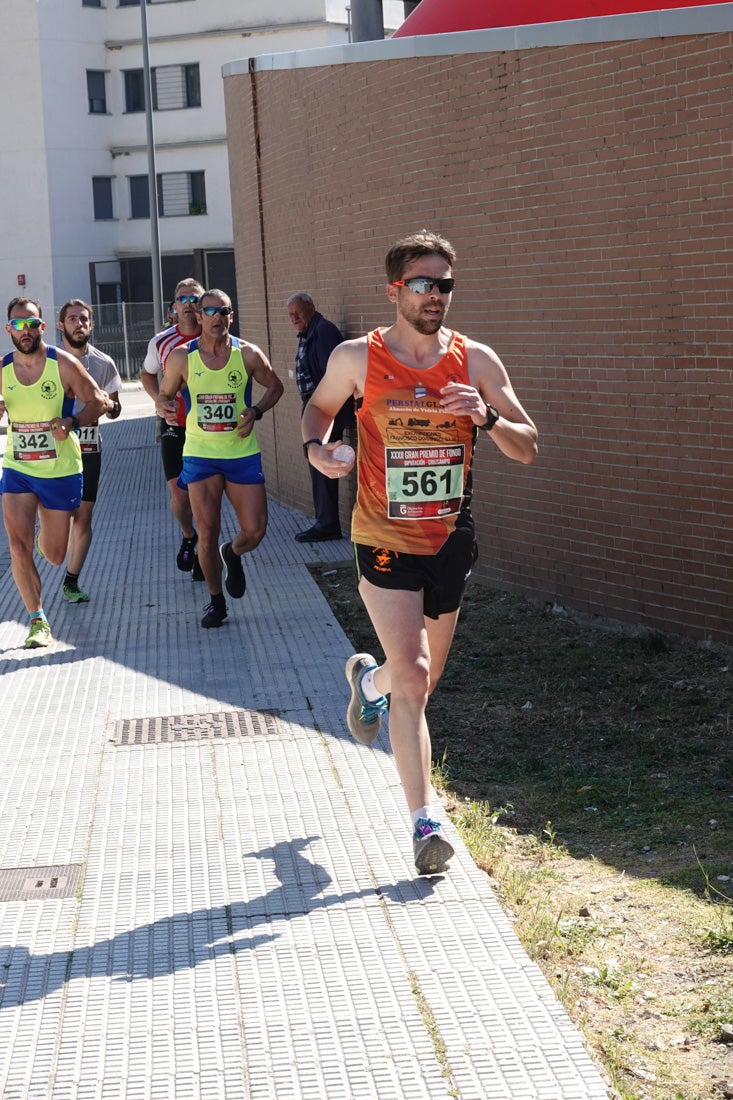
[[58, 494], [239, 471]]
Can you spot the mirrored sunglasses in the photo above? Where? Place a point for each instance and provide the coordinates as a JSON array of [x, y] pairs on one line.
[[19, 323], [211, 311], [187, 299], [419, 284]]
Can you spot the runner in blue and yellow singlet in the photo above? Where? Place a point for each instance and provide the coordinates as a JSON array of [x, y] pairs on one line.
[[42, 468], [214, 376]]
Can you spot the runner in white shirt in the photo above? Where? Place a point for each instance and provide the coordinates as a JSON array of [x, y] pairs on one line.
[[173, 436], [75, 323]]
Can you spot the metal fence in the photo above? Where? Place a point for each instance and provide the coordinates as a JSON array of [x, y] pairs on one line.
[[123, 330]]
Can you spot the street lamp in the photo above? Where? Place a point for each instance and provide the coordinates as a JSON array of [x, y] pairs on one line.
[[152, 178]]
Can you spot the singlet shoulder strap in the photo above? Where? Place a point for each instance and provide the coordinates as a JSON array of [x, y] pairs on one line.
[[193, 345], [8, 358], [51, 352]]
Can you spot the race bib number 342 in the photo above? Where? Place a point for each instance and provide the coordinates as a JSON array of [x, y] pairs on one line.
[[216, 412], [33, 442], [424, 482]]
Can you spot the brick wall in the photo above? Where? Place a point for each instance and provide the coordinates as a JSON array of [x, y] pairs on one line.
[[588, 191]]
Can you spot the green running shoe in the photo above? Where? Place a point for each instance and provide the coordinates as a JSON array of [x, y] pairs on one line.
[[40, 635], [74, 594]]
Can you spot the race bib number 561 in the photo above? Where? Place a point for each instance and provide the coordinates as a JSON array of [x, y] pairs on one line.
[[424, 482], [33, 442]]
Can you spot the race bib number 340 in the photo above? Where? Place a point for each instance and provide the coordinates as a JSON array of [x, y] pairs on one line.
[[424, 482], [33, 442], [216, 412]]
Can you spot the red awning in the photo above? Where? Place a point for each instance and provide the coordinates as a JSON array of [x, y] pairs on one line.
[[443, 16]]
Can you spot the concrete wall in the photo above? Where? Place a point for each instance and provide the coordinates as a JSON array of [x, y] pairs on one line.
[[588, 187]]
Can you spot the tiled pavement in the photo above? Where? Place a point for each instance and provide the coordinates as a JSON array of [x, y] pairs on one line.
[[206, 887]]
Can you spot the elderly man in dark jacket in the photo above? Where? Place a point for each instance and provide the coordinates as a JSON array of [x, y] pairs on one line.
[[317, 337]]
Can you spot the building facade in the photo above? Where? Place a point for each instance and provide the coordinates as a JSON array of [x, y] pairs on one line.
[[74, 207]]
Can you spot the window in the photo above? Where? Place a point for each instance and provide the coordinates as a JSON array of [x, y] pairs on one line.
[[173, 87], [139, 201], [136, 3], [134, 90], [96, 92], [176, 86], [102, 192], [180, 194], [91, 3]]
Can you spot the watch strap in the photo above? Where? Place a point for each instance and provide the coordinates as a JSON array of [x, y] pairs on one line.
[[308, 442], [491, 418]]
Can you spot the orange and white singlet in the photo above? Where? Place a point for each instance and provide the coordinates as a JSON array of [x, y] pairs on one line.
[[414, 461]]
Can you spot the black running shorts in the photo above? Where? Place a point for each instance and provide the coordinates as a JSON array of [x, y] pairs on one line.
[[91, 462], [442, 577], [172, 438]]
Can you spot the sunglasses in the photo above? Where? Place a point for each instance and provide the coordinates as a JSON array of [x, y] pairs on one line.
[[19, 323], [187, 299], [419, 284], [211, 311]]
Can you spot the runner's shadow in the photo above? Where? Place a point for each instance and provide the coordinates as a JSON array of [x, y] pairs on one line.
[[185, 940]]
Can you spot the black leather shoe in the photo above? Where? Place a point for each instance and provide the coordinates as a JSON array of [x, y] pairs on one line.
[[318, 534]]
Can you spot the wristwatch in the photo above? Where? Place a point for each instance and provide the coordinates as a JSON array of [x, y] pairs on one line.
[[491, 418], [308, 442], [257, 411], [75, 424]]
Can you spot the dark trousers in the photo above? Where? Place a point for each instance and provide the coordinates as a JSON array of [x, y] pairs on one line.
[[326, 489], [325, 496]]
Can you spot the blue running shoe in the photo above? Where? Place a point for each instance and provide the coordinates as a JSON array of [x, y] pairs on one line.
[[431, 850], [363, 717]]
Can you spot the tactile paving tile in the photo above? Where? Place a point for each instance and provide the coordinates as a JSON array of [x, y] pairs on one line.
[[250, 924]]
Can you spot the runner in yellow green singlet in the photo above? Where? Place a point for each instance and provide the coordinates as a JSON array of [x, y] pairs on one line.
[[214, 375], [42, 468]]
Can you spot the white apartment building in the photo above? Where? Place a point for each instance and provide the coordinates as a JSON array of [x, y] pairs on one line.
[[74, 207]]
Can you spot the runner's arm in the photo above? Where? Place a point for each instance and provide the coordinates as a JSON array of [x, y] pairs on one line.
[[514, 433], [344, 378], [259, 367], [79, 384], [174, 380], [152, 369]]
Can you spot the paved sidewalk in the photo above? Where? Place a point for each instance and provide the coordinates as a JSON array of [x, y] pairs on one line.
[[206, 887]]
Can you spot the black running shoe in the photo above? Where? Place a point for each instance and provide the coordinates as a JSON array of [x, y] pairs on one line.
[[185, 556], [234, 578], [214, 616]]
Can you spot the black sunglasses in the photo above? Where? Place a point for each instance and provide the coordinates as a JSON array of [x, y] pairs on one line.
[[420, 284], [211, 311]]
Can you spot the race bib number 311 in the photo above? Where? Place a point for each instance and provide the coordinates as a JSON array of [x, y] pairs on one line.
[[424, 482], [216, 412], [33, 442]]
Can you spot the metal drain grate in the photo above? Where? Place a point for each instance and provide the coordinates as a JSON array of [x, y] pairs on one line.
[[197, 727], [39, 883]]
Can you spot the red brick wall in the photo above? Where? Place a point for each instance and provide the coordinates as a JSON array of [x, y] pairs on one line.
[[588, 190]]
